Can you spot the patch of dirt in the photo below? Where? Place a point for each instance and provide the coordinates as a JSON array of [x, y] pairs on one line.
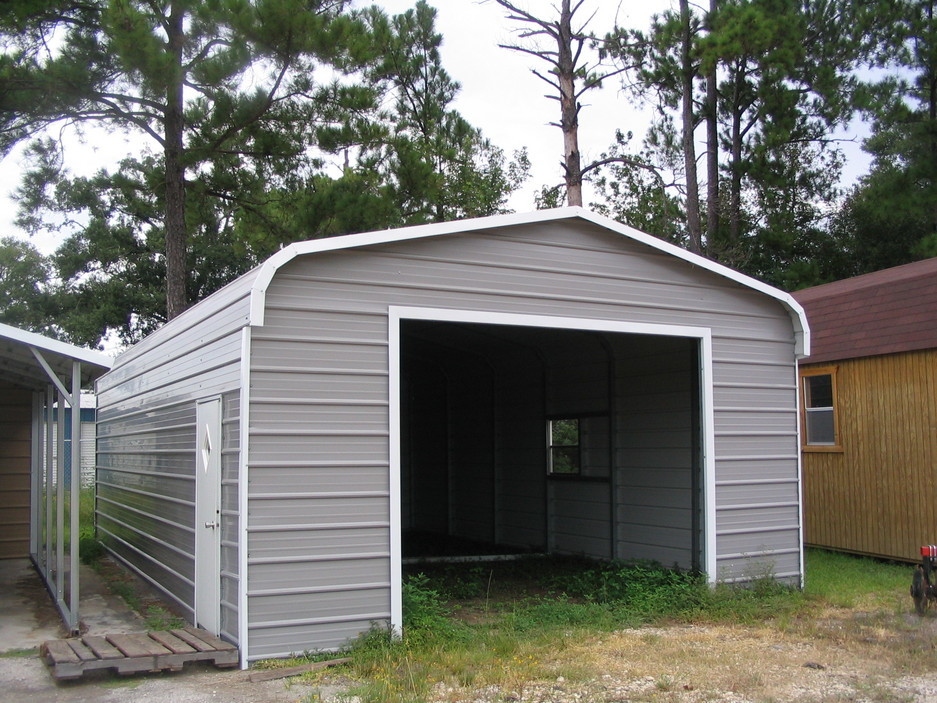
[[840, 656], [31, 590]]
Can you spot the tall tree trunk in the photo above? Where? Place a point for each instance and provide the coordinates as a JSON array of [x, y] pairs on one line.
[[735, 186], [569, 110], [712, 145], [931, 77], [175, 227], [694, 226]]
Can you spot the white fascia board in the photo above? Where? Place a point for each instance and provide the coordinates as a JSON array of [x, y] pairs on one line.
[[54, 346], [269, 268]]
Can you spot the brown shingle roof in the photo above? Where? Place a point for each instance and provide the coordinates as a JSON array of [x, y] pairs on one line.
[[884, 312]]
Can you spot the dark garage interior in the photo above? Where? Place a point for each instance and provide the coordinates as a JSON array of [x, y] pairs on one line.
[[549, 440]]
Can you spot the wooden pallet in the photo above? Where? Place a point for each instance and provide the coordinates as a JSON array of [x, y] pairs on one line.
[[136, 653]]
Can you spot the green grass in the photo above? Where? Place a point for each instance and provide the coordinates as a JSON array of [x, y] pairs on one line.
[[89, 549], [848, 581], [20, 653], [508, 623]]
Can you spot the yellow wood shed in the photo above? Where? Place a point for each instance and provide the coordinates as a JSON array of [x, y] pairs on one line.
[[869, 413]]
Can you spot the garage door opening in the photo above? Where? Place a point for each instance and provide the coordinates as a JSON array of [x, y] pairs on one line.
[[528, 439]]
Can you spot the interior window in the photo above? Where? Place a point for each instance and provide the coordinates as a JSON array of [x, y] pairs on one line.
[[564, 446], [579, 446]]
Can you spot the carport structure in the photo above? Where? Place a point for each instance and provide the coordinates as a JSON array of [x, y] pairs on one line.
[[39, 477], [552, 382]]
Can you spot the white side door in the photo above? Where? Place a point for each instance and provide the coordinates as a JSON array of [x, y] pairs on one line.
[[208, 516]]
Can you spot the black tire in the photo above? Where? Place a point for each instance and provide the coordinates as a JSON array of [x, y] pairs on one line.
[[919, 591]]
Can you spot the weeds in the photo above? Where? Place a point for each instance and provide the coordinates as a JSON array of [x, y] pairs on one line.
[[90, 550], [532, 614]]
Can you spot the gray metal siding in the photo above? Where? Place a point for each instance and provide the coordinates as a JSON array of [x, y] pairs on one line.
[[324, 344], [146, 447], [146, 495]]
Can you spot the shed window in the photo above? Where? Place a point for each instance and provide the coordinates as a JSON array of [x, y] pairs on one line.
[[579, 446], [564, 446], [820, 422]]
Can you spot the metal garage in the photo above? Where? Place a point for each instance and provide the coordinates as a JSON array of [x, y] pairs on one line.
[[552, 381]]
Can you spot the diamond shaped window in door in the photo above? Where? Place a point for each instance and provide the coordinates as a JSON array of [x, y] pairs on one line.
[[206, 448]]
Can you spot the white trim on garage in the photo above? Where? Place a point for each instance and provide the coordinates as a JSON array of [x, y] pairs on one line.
[[396, 314], [268, 269]]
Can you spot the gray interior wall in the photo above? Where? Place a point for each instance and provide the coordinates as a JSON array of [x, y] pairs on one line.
[[656, 456], [579, 508], [425, 449], [642, 387], [521, 449], [471, 399], [319, 564]]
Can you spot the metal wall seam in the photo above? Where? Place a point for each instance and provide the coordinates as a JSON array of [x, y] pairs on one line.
[[244, 446], [800, 476]]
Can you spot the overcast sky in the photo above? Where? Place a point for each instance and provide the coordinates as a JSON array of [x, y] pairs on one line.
[[499, 95]]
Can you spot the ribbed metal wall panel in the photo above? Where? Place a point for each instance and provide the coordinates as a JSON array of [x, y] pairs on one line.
[[146, 448], [655, 514], [146, 496]]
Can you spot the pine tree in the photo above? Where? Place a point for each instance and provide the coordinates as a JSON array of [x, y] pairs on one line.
[[218, 88]]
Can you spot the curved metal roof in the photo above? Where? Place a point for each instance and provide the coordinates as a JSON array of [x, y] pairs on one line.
[[263, 275]]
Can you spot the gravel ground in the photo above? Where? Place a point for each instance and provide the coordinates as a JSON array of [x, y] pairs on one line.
[[843, 656]]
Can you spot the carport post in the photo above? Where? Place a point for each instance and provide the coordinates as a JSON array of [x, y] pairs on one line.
[[76, 496], [35, 474]]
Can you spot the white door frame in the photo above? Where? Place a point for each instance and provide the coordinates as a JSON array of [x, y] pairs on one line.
[[396, 314], [208, 515]]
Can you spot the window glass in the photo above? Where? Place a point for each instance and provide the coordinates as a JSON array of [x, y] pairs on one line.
[[819, 417], [564, 446], [819, 390]]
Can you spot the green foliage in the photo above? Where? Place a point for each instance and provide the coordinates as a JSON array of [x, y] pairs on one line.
[[535, 609], [164, 216], [632, 189], [25, 298], [435, 167], [786, 81], [90, 550], [643, 588], [234, 168], [426, 615], [890, 218]]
